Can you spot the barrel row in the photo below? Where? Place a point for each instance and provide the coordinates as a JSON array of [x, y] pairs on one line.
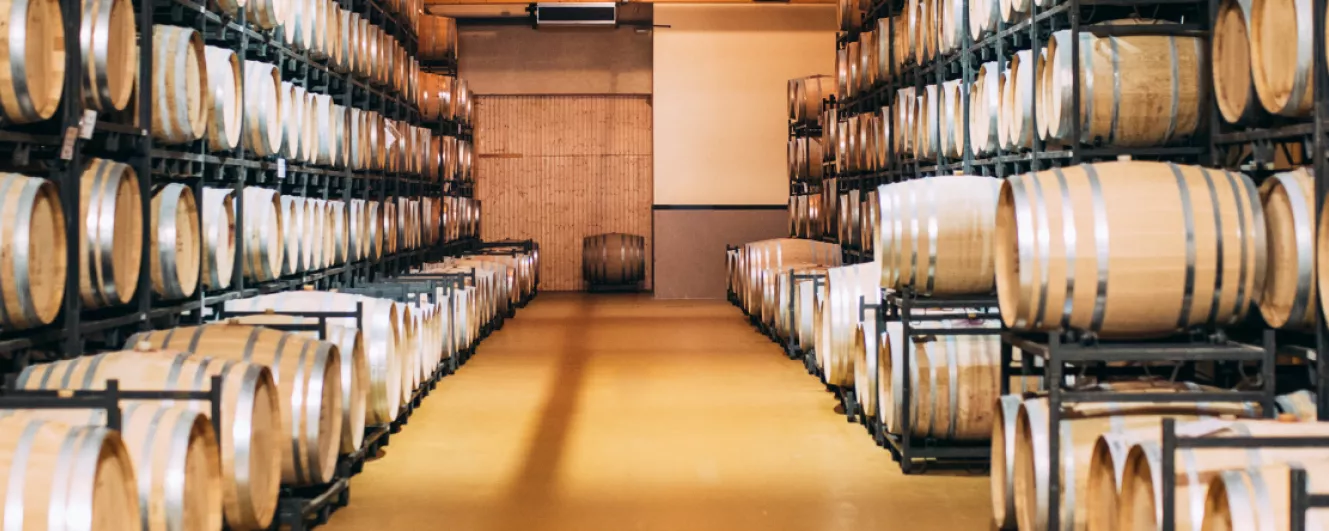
[[283, 235], [444, 97], [806, 96], [753, 269]]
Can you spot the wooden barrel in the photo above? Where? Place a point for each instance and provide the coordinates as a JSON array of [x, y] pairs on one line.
[[32, 60], [291, 127], [1080, 429], [327, 234], [839, 319], [65, 477], [218, 237], [953, 382], [984, 18], [315, 225], [344, 49], [1281, 48], [305, 115], [263, 113], [293, 27], [1019, 100], [374, 229], [250, 451], [308, 377], [294, 236], [173, 450], [984, 109], [939, 250], [264, 230], [176, 245], [379, 331], [1141, 494], [613, 258], [1204, 263], [1289, 298], [1132, 77], [1300, 404], [32, 268], [110, 246], [268, 14], [108, 40], [341, 232], [181, 111], [1001, 480], [354, 371], [224, 93], [1259, 498], [1234, 85]]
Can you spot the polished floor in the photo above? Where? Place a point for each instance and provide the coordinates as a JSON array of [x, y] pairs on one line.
[[619, 412]]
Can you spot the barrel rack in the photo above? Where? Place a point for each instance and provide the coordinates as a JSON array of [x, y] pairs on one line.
[[57, 149]]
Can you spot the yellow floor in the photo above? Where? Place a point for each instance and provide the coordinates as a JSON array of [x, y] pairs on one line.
[[619, 412]]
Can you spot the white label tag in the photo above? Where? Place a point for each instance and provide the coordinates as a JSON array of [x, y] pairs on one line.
[[87, 124], [281, 168]]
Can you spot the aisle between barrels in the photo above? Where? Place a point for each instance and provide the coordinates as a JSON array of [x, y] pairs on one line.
[[617, 412]]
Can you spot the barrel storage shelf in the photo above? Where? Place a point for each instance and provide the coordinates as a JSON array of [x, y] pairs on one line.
[[192, 137], [969, 87]]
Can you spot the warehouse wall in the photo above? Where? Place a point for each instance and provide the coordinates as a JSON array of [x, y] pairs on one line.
[[523, 60], [720, 73]]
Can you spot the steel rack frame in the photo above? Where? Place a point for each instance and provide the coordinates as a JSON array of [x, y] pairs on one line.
[[1058, 350], [912, 452], [1300, 500], [107, 400]]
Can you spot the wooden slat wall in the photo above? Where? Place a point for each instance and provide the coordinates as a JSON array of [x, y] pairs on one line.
[[558, 168]]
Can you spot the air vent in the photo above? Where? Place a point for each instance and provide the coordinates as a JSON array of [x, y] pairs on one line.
[[576, 14]]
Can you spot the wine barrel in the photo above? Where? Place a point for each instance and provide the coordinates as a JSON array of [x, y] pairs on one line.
[[263, 113], [438, 38], [32, 60], [341, 231], [218, 237], [614, 259], [110, 246], [1080, 429], [345, 53], [383, 340], [984, 18], [867, 60], [175, 242], [269, 14], [304, 228], [294, 236], [1289, 298], [1141, 491], [939, 250], [292, 129], [1234, 85], [953, 382], [1001, 480], [225, 91], [180, 111], [839, 319], [928, 137], [60, 476], [374, 243], [264, 230], [108, 41], [293, 27], [984, 110], [174, 454], [250, 450], [308, 377], [1019, 100], [1127, 79], [354, 371], [807, 99], [1203, 263], [1281, 48], [328, 137], [32, 268], [1259, 498]]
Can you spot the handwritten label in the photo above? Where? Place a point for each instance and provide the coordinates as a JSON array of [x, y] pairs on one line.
[[281, 168], [67, 149], [88, 122]]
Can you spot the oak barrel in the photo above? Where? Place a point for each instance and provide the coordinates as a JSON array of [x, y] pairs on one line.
[[438, 38], [180, 111], [108, 41], [225, 92], [293, 235], [32, 60], [1155, 268], [984, 109], [953, 381], [60, 476], [264, 230], [32, 266], [263, 113], [383, 339], [111, 242], [250, 451], [307, 373], [1289, 297], [1234, 84], [218, 237], [1260, 498], [1282, 46], [839, 319], [176, 246], [938, 234], [613, 258], [175, 460]]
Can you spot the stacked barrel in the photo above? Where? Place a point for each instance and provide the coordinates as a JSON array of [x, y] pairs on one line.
[[758, 273], [810, 151]]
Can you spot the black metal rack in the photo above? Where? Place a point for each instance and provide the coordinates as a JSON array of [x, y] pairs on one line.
[[58, 148], [1300, 498], [914, 453], [1060, 350]]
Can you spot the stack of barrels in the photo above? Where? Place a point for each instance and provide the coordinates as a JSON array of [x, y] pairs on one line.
[[758, 274], [445, 97], [613, 259]]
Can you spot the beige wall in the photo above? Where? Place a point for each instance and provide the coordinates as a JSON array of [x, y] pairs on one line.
[[523, 60], [720, 77]]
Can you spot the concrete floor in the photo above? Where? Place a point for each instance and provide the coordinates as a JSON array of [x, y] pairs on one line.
[[620, 412]]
